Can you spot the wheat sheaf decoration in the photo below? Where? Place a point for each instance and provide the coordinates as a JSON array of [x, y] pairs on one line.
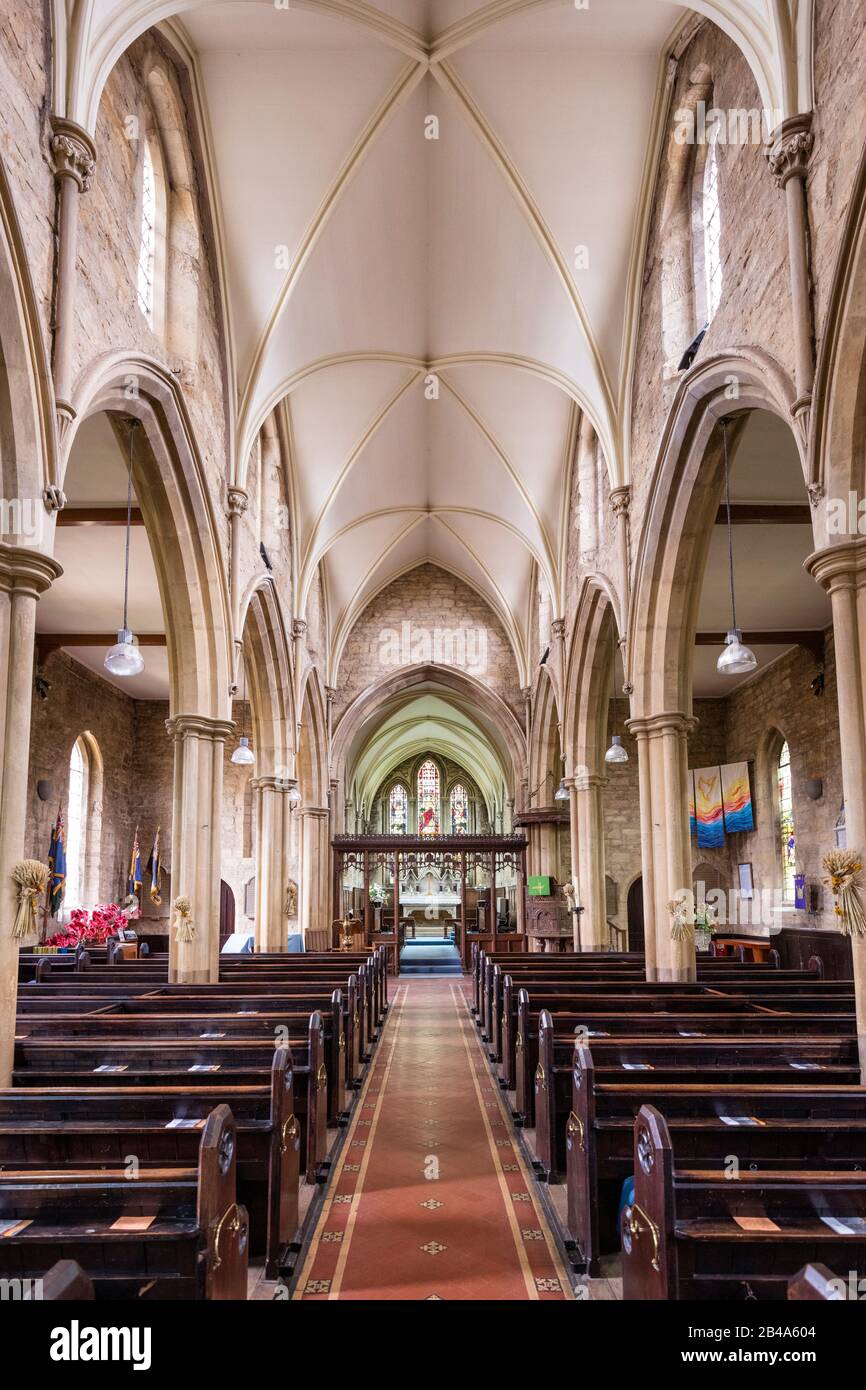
[[843, 868], [185, 928], [681, 927], [31, 876]]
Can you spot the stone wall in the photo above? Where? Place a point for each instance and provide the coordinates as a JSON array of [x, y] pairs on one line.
[[437, 603], [749, 726]]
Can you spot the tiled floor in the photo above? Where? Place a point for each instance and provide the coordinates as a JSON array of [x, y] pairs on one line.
[[431, 1199]]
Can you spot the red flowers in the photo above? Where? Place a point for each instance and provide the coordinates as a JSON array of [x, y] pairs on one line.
[[90, 928]]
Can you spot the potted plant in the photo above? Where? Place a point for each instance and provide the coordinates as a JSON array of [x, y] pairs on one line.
[[703, 929]]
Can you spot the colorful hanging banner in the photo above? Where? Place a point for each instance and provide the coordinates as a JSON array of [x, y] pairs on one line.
[[737, 798], [708, 807], [693, 824]]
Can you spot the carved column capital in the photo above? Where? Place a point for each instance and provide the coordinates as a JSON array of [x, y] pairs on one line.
[[299, 627], [182, 726], [791, 147], [25, 571], [238, 501], [73, 152], [557, 627], [620, 500], [655, 725], [816, 494]]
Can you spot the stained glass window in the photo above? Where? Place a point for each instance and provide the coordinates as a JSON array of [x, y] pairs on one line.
[[787, 836], [428, 798], [459, 810], [712, 233], [398, 810]]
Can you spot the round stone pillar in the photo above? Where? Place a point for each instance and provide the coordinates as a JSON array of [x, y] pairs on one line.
[[24, 576]]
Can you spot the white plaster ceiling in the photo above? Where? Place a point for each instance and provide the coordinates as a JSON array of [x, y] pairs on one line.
[[358, 257], [410, 257]]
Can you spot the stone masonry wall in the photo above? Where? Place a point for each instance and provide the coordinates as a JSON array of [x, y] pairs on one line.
[[434, 600]]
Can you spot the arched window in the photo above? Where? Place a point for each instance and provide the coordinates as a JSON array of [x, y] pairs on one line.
[[152, 234], [76, 826], [711, 227], [459, 805], [428, 798], [787, 835], [398, 810]]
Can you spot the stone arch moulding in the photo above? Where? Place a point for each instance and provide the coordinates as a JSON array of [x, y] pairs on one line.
[[677, 518], [28, 438], [269, 680], [475, 695], [181, 524], [587, 691], [545, 731], [838, 436], [312, 743]]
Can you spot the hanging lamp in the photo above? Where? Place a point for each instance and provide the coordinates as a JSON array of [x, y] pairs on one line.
[[243, 756], [616, 753], [125, 658], [737, 659]]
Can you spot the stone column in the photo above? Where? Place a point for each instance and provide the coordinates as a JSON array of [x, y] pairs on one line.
[[594, 932], [272, 810], [665, 845], [788, 158], [315, 848], [74, 157], [24, 576], [620, 500], [199, 749], [587, 486], [841, 570], [238, 502], [574, 839]]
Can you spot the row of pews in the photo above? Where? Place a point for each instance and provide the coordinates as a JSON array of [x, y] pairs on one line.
[[158, 1136], [733, 1104]]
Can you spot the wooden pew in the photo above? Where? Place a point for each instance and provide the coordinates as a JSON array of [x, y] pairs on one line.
[[788, 1126], [47, 1062], [66, 1282], [815, 1283], [100, 1127], [688, 1016], [575, 996], [271, 1023], [772, 1060], [195, 1245], [690, 1233]]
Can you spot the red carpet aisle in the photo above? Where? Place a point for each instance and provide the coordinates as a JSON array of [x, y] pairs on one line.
[[430, 1199]]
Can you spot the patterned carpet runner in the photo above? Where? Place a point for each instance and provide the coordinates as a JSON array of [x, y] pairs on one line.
[[430, 1199]]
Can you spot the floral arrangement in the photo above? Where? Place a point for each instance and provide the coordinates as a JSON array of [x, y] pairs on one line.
[[30, 877], [89, 928], [681, 926], [185, 927], [843, 868], [377, 895]]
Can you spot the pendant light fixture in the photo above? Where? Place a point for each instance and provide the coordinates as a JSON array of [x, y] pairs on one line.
[[737, 659], [125, 658], [616, 753], [243, 756], [562, 792]]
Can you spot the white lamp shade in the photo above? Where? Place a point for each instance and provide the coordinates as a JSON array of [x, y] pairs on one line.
[[736, 659], [561, 793], [124, 658], [616, 753], [243, 754]]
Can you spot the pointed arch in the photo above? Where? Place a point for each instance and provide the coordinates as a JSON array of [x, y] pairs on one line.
[[179, 513]]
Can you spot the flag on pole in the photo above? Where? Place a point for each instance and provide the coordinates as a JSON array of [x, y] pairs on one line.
[[56, 866], [154, 868], [133, 885]]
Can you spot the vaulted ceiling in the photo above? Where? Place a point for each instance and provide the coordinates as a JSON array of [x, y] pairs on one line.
[[431, 217]]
